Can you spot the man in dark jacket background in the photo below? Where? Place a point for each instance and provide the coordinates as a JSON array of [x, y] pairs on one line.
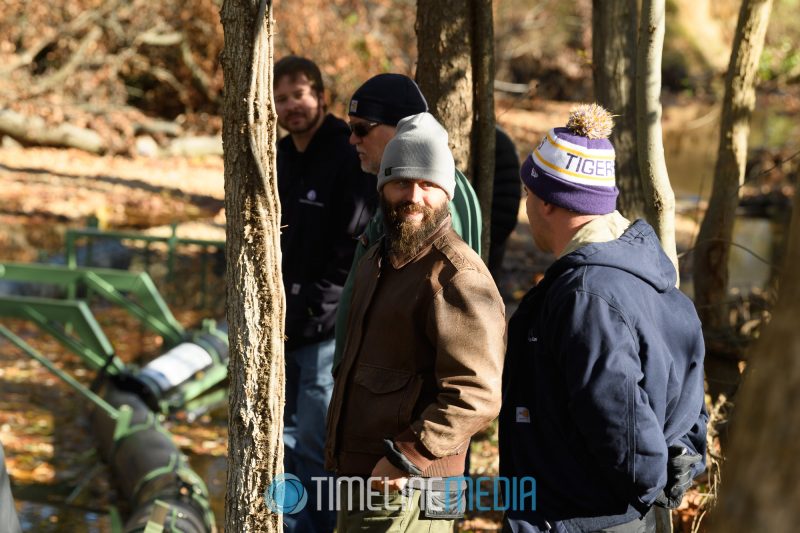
[[603, 399], [506, 194], [326, 201]]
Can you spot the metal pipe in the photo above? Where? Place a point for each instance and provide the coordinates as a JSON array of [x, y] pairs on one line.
[[149, 468]]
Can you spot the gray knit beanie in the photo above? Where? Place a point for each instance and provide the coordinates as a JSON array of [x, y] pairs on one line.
[[419, 150]]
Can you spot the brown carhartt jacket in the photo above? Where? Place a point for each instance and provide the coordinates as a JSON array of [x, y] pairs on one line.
[[422, 360]]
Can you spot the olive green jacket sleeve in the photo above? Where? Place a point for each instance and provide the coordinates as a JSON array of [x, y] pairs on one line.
[[466, 221]]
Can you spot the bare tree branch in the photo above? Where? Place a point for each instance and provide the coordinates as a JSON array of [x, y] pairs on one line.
[[74, 62]]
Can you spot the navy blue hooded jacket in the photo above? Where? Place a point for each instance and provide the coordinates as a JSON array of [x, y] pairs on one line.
[[604, 371]]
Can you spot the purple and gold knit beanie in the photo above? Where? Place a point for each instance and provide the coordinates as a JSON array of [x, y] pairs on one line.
[[573, 167]]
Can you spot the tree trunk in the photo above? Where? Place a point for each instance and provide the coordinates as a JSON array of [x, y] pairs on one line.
[[483, 130], [256, 306], [455, 71], [760, 492], [444, 70], [660, 200], [713, 242], [614, 24]]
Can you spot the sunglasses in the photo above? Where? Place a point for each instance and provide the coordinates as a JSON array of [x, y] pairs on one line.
[[362, 129]]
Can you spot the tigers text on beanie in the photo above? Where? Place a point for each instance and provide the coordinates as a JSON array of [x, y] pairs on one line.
[[419, 150], [573, 167]]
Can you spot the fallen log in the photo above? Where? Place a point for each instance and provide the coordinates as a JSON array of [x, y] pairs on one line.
[[35, 131]]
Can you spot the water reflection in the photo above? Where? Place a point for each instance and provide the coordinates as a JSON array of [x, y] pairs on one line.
[[690, 148], [747, 270], [214, 471], [47, 518]]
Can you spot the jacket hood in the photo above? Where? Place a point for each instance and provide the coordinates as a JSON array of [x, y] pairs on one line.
[[638, 252]]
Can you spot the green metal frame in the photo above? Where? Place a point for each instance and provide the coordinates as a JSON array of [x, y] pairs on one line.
[[122, 416], [72, 323], [114, 285], [66, 378], [172, 242], [56, 317]]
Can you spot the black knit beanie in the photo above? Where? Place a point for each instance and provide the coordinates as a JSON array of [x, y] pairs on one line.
[[387, 98]]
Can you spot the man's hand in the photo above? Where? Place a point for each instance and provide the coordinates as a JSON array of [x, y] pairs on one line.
[[679, 476], [390, 476]]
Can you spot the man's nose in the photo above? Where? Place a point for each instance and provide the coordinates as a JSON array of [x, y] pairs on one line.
[[354, 139], [415, 193]]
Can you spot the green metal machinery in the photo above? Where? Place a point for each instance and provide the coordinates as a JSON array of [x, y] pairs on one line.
[[129, 401]]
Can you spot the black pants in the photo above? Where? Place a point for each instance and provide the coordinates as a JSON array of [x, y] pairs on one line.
[[646, 524]]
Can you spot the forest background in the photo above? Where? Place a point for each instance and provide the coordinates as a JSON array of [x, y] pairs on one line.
[[139, 85]]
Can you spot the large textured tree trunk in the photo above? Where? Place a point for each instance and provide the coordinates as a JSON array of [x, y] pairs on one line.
[[713, 242], [455, 71], [614, 25], [444, 70], [660, 200], [256, 307], [760, 491], [483, 131]]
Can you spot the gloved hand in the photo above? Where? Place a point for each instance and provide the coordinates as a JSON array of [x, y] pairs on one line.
[[679, 476]]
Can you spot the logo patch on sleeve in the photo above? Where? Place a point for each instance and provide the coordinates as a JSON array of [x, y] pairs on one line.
[[523, 415]]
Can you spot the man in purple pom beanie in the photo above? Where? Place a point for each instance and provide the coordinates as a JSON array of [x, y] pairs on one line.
[[603, 401]]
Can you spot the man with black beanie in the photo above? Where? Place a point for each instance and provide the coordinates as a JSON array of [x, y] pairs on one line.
[[375, 109]]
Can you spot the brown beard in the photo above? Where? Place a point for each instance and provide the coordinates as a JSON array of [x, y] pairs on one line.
[[405, 238], [311, 123]]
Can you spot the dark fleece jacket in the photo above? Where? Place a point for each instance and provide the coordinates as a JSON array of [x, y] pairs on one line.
[[604, 371], [326, 202]]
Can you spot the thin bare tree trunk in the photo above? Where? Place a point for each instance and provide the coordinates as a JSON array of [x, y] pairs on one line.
[[256, 307], [483, 131], [660, 200], [713, 242], [760, 491], [445, 72], [614, 26]]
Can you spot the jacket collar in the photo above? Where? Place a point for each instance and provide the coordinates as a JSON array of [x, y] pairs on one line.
[[604, 228], [399, 261]]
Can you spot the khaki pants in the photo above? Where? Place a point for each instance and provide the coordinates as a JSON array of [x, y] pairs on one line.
[[394, 519]]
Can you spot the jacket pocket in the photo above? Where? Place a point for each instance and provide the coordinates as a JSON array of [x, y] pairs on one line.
[[386, 398]]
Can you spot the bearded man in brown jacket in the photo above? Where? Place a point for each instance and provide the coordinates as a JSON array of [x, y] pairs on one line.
[[423, 355]]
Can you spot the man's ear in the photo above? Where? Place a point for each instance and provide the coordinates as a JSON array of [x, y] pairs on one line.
[[548, 207]]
